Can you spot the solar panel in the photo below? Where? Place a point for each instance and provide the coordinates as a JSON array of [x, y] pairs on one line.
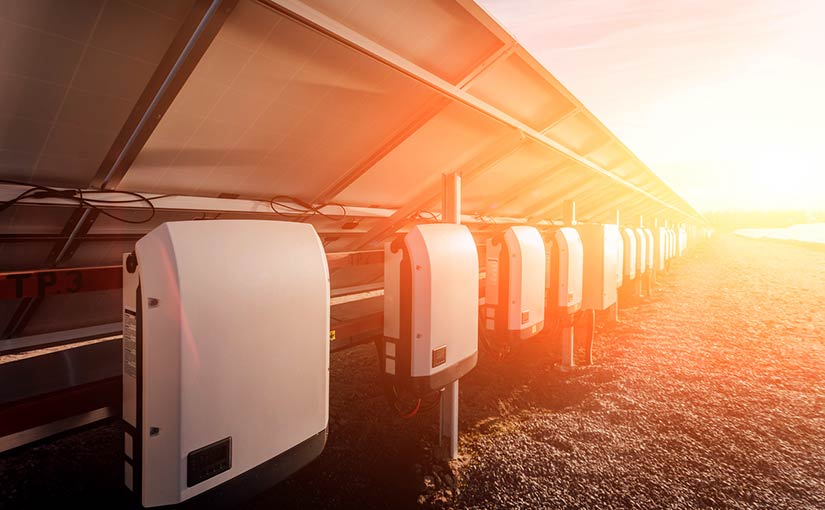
[[362, 103]]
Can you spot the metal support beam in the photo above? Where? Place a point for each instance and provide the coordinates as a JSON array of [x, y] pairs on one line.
[[549, 175], [315, 20], [448, 406], [51, 238], [598, 145], [448, 419], [620, 203], [475, 167], [569, 213], [561, 118], [451, 198], [69, 336], [429, 111], [78, 224], [199, 28], [602, 210], [568, 359], [238, 206], [185, 203], [541, 207], [613, 313], [50, 282], [503, 52], [572, 191]]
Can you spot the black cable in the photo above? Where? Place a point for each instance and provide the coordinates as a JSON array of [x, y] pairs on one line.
[[38, 191], [420, 215], [304, 209], [297, 207]]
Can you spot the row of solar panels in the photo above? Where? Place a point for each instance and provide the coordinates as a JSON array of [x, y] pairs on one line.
[[362, 103]]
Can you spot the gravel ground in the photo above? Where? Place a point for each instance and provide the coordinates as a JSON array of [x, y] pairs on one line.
[[708, 395]]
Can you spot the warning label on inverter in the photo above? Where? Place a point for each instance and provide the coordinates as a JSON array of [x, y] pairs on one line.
[[129, 343]]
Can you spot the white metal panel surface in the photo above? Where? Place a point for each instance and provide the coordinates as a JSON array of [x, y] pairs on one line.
[[444, 295], [242, 314]]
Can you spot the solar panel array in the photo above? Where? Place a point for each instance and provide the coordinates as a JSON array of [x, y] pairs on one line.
[[360, 103]]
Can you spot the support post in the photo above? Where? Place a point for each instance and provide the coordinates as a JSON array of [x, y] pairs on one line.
[[448, 409], [643, 285], [568, 358], [656, 248], [569, 213], [448, 419], [613, 313], [451, 198]]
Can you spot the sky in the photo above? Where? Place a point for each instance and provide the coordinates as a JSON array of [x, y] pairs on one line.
[[723, 99]]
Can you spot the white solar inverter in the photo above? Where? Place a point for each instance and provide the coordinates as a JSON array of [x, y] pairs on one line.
[[641, 251], [599, 243], [225, 358], [564, 274], [514, 286], [649, 245], [619, 242], [430, 307], [659, 247], [629, 259]]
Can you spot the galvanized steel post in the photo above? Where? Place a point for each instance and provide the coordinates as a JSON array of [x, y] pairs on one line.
[[448, 409]]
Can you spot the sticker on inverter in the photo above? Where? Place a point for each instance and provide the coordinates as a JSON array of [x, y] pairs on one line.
[[129, 343]]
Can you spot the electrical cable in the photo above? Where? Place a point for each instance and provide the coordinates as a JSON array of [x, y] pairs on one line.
[[297, 207], [491, 346], [406, 408], [304, 209], [424, 216], [83, 199]]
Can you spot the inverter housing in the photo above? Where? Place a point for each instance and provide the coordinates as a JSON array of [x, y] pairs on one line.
[[514, 286], [659, 248], [565, 272], [599, 242], [430, 307], [649, 245], [226, 358], [629, 259], [619, 242], [641, 251]]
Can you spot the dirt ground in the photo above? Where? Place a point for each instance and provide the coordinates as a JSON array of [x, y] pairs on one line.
[[710, 394]]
